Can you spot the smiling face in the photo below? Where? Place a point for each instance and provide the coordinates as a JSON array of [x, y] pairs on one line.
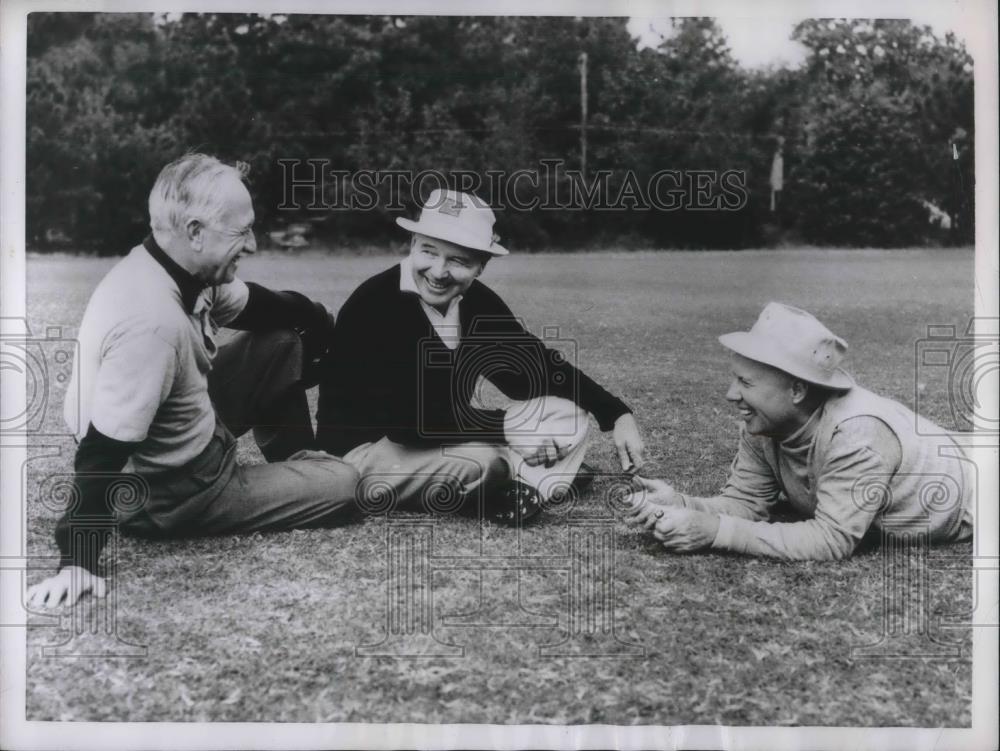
[[769, 400], [220, 243], [442, 270]]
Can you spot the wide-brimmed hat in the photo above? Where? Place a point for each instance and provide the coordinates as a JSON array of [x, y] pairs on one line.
[[793, 340], [459, 218]]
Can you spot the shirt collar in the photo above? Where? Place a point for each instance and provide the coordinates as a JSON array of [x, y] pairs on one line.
[[803, 437], [189, 287]]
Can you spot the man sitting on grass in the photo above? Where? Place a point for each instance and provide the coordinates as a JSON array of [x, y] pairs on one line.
[[158, 395], [411, 344], [844, 458]]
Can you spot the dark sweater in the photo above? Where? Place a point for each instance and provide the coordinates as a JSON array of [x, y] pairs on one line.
[[391, 375]]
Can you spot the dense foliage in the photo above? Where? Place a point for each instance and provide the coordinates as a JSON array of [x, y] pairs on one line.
[[876, 127]]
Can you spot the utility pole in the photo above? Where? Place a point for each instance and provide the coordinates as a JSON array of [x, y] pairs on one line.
[[583, 115]]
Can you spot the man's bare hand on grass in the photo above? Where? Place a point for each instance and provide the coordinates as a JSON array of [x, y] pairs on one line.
[[65, 588]]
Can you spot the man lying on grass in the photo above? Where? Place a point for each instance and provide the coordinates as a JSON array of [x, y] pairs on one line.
[[845, 459], [397, 401], [158, 396]]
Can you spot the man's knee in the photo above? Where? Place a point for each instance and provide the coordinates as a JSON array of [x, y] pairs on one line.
[[435, 481], [260, 346], [463, 473], [581, 420], [332, 487], [341, 478], [280, 344], [459, 471], [568, 423]]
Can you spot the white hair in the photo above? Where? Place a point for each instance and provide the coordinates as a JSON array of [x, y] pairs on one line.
[[187, 188]]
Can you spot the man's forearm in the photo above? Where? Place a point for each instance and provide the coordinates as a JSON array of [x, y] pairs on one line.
[[267, 309], [83, 531], [810, 540], [601, 403], [721, 504]]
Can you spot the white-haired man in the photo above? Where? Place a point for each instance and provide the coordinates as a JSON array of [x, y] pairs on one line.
[[159, 399], [412, 344], [844, 458]]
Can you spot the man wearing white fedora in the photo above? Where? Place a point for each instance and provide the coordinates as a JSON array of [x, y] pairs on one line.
[[844, 458], [398, 400]]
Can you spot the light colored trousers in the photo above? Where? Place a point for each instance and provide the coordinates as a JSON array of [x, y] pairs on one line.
[[436, 479]]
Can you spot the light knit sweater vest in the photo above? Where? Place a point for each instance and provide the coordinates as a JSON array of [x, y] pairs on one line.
[[935, 480]]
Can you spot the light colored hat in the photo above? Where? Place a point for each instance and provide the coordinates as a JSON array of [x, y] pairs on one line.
[[459, 218], [792, 340]]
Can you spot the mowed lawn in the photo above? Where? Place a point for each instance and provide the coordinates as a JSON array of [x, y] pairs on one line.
[[266, 627]]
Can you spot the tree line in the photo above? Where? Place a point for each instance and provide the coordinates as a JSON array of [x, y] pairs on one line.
[[875, 131]]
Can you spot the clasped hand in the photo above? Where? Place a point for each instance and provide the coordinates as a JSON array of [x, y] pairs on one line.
[[545, 451], [661, 509]]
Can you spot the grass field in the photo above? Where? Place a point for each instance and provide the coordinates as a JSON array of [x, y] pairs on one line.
[[265, 627]]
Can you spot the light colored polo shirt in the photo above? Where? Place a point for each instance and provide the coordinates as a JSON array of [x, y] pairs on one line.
[[143, 361], [447, 325]]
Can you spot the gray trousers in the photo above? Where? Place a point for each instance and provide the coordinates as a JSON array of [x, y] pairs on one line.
[[254, 385]]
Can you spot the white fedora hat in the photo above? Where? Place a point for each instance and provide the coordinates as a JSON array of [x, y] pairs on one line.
[[459, 218], [793, 340]]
